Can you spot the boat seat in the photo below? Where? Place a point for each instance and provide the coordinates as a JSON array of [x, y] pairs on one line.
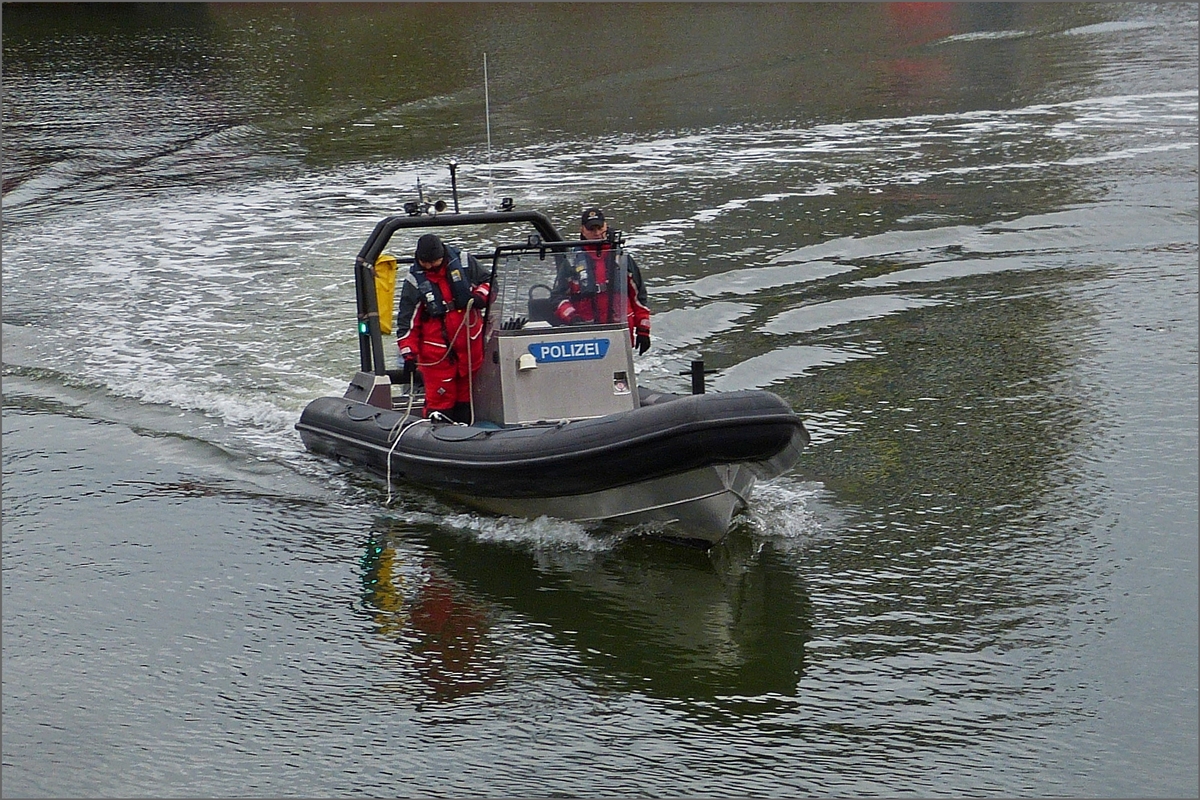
[[541, 309]]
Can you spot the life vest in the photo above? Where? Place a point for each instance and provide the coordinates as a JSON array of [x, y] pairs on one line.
[[585, 273], [460, 285], [585, 270]]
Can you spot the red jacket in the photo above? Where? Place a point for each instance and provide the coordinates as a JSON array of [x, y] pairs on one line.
[[434, 339], [593, 307]]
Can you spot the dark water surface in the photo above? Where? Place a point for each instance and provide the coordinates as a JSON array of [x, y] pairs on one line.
[[960, 239]]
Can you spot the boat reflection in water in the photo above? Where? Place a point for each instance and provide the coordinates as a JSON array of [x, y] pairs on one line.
[[444, 629], [644, 615]]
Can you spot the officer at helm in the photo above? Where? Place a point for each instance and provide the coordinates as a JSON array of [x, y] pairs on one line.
[[583, 290]]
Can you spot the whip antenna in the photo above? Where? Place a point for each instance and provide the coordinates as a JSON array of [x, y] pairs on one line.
[[487, 115]]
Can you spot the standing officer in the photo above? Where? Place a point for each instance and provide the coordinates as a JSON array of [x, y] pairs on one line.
[[439, 325]]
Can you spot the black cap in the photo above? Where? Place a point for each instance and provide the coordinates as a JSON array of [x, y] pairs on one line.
[[593, 216], [429, 248]]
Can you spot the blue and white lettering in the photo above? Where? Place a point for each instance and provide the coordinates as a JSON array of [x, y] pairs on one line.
[[580, 350]]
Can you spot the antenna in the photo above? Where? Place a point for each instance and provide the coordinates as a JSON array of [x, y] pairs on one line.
[[487, 112]]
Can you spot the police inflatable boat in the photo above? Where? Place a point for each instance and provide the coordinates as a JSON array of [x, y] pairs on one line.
[[560, 426]]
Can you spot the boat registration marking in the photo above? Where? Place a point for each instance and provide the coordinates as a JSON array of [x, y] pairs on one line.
[[581, 350]]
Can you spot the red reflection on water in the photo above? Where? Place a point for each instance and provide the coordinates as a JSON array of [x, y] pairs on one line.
[[918, 75], [445, 629], [451, 630]]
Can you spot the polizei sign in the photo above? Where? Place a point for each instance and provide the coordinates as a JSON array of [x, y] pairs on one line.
[[582, 350]]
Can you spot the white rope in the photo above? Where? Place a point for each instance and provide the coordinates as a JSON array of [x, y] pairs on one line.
[[400, 428], [450, 344], [470, 372]]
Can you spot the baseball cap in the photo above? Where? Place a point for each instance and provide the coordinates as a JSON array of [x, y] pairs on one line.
[[593, 216]]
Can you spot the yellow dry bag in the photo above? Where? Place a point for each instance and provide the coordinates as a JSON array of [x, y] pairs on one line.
[[385, 290]]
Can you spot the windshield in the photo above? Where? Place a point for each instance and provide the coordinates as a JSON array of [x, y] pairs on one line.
[[562, 284]]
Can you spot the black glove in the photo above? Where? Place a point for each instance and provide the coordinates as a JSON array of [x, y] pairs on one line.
[[575, 319], [513, 324], [410, 369], [643, 342]]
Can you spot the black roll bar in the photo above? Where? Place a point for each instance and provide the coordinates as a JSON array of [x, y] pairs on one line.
[[370, 339]]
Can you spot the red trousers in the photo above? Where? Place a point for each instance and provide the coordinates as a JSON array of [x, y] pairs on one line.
[[446, 383]]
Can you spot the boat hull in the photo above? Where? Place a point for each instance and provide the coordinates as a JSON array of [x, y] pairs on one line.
[[698, 504], [684, 463]]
